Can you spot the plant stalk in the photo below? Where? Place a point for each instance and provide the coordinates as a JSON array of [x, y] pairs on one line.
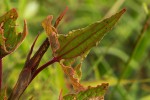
[[26, 73], [43, 67], [30, 70]]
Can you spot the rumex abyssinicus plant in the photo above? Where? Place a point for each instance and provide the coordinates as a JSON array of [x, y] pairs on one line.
[[66, 49]]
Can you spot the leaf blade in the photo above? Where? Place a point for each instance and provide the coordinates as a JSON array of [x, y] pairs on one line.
[[79, 41], [9, 38]]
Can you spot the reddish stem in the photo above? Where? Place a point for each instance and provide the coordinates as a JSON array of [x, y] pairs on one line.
[[0, 74], [43, 67]]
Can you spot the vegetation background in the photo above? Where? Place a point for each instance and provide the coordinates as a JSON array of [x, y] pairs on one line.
[[122, 55]]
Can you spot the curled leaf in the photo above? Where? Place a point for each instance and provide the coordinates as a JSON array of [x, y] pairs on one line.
[[9, 38], [73, 76], [51, 33]]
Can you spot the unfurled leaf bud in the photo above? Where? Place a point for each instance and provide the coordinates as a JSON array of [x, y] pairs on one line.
[[9, 38]]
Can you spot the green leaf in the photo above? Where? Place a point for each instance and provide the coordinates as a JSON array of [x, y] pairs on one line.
[[91, 93], [9, 38], [77, 42]]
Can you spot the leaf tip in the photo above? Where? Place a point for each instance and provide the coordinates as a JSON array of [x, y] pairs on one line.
[[123, 10]]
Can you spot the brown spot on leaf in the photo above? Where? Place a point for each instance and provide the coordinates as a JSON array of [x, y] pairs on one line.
[[11, 16]]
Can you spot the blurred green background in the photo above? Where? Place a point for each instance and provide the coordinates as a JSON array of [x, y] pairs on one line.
[[122, 55]]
